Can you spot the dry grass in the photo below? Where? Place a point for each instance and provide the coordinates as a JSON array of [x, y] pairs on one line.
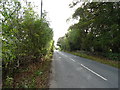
[[35, 75]]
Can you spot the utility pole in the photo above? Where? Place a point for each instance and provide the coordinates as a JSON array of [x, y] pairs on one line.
[[41, 8]]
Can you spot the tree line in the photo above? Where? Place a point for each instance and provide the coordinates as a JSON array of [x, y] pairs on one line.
[[97, 30], [26, 38]]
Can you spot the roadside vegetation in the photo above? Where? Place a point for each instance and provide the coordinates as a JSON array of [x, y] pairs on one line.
[[27, 46], [96, 34], [96, 58]]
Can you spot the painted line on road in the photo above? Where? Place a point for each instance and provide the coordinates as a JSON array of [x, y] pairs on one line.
[[72, 59], [68, 57], [63, 55], [94, 72], [59, 57]]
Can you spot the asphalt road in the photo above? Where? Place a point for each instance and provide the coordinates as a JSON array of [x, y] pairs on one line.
[[70, 71]]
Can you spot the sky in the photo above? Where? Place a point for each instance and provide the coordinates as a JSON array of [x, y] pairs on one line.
[[58, 11]]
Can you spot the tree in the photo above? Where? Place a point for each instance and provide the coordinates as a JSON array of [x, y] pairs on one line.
[[26, 38], [97, 28]]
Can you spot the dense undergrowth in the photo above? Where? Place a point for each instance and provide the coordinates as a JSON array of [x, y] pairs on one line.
[[27, 40], [35, 75]]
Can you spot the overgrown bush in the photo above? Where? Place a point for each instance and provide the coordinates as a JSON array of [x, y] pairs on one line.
[[113, 56], [26, 37]]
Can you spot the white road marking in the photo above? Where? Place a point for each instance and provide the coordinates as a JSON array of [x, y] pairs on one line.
[[63, 55], [59, 57], [94, 72], [72, 59], [68, 57], [87, 68]]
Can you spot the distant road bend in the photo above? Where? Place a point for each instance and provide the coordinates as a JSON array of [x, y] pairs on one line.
[[70, 71]]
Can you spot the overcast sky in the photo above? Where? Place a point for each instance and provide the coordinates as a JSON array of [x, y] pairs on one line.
[[58, 12]]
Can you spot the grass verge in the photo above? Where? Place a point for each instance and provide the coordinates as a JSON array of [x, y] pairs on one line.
[[98, 59]]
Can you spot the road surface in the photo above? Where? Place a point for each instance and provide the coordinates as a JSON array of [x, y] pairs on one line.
[[70, 71]]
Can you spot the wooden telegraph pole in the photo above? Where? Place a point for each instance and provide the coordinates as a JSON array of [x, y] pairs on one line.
[[41, 8]]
